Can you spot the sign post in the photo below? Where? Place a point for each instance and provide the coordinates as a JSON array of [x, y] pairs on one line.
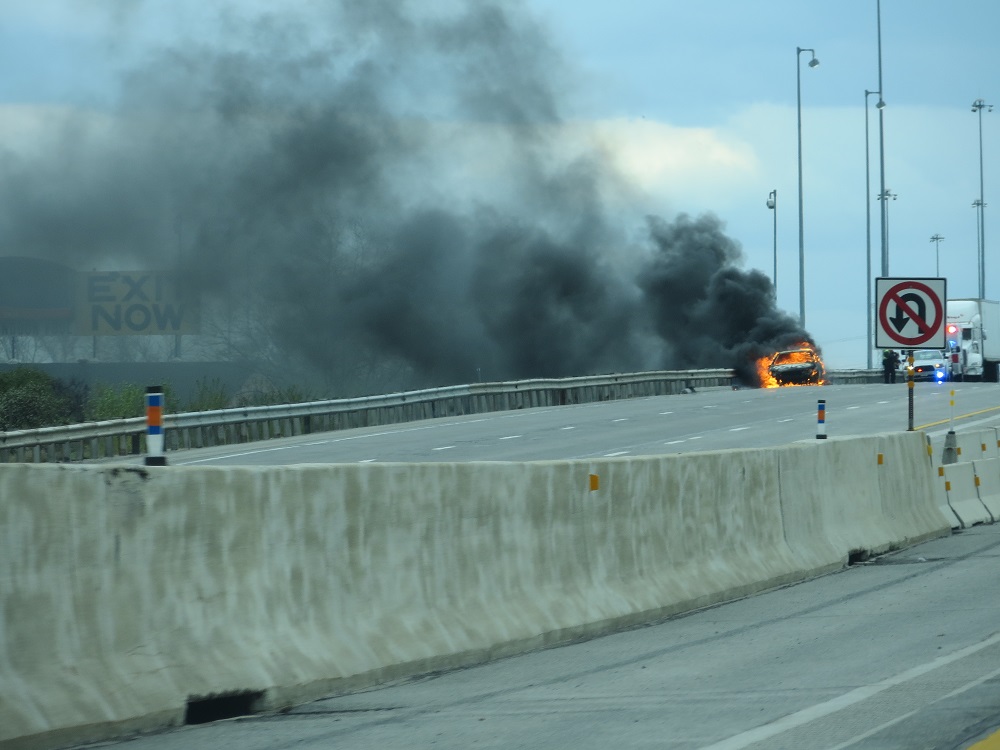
[[911, 315]]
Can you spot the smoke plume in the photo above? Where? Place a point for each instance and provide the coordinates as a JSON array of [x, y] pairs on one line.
[[377, 195]]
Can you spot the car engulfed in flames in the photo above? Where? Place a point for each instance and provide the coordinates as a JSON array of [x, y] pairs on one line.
[[799, 366]]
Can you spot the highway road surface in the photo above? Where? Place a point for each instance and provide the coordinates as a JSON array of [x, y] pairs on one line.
[[710, 419]]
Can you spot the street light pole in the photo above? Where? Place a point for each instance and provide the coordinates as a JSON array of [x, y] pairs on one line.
[[868, 228], [978, 106], [979, 205], [772, 203], [884, 196], [802, 265], [881, 147], [936, 239]]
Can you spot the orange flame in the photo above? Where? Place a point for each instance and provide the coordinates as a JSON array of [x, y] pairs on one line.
[[767, 380]]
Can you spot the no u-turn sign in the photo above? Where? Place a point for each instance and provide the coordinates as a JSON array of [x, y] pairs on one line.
[[911, 313]]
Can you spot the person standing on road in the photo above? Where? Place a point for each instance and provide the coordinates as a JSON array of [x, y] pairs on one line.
[[889, 366]]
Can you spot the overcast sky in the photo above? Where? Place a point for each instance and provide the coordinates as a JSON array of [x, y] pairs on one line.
[[697, 103]]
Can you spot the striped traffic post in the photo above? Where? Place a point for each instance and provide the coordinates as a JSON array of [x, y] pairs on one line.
[[821, 420], [154, 426]]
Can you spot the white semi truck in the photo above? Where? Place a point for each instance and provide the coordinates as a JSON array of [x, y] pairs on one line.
[[973, 333]]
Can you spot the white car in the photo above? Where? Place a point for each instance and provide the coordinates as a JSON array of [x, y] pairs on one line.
[[928, 364]]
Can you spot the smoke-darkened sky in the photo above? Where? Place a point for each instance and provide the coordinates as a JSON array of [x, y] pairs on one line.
[[388, 196]]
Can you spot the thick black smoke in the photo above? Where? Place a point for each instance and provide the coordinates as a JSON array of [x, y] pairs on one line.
[[378, 195]]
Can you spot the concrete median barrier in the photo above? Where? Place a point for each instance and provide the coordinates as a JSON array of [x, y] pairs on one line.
[[907, 483], [975, 445], [958, 484], [988, 484], [132, 595]]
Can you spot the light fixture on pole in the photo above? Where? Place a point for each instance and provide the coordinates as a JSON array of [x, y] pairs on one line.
[[802, 265], [978, 106], [772, 203], [936, 239], [868, 228], [884, 196]]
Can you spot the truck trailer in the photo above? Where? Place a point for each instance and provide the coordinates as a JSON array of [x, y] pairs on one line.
[[973, 334]]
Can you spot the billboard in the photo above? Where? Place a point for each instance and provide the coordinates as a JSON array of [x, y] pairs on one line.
[[134, 303]]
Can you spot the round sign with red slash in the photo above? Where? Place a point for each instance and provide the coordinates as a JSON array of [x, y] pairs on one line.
[[911, 313]]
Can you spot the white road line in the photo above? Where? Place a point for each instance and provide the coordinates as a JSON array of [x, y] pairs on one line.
[[883, 402], [367, 460], [444, 448], [382, 433], [620, 419], [510, 437], [616, 453], [738, 429], [571, 427], [958, 691], [853, 407], [662, 413], [785, 420], [818, 711], [696, 437], [673, 442]]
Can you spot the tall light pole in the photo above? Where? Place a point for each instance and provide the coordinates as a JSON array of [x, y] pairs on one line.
[[884, 196], [978, 106], [936, 239], [772, 203], [881, 147], [802, 253], [979, 206], [868, 227]]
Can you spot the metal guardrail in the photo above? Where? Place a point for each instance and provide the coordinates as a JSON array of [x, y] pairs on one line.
[[121, 437]]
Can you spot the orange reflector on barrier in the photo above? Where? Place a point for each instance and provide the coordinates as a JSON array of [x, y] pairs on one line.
[[881, 459], [977, 480], [595, 482], [947, 485], [940, 471]]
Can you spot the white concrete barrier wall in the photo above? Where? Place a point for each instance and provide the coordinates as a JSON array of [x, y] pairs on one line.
[[988, 472], [958, 484], [975, 445], [830, 489], [128, 591], [908, 487]]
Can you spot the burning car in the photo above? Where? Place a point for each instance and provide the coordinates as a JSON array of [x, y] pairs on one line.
[[796, 367]]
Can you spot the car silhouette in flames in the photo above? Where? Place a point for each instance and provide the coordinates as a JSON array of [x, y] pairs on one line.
[[801, 366]]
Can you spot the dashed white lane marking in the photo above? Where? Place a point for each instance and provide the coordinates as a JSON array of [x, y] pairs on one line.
[[444, 448], [571, 427], [883, 402], [510, 437], [784, 420], [696, 437], [663, 413], [616, 453], [344, 439], [367, 460], [673, 442], [738, 429], [819, 710], [853, 407], [620, 419]]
